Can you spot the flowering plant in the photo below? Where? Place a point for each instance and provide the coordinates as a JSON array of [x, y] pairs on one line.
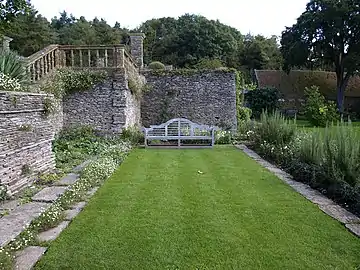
[[9, 84]]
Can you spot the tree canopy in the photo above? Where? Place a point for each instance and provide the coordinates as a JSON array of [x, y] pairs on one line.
[[188, 41], [9, 9], [327, 34], [185, 41]]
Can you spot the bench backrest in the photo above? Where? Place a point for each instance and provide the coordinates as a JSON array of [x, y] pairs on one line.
[[179, 127]]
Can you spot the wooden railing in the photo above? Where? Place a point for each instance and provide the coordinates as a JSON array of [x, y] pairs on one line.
[[85, 56]]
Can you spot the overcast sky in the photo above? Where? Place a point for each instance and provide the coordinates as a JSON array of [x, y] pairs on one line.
[[266, 17]]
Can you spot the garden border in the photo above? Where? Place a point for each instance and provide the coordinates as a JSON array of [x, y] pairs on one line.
[[26, 258], [329, 207]]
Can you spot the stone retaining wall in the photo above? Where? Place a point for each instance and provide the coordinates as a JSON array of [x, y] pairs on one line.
[[207, 97], [26, 135], [108, 107]]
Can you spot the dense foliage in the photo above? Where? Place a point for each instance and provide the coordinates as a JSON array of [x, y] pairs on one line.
[[156, 65], [133, 134], [262, 99], [10, 10], [318, 110], [75, 80], [190, 41], [326, 35], [67, 81], [209, 64], [75, 145], [187, 40], [327, 159]]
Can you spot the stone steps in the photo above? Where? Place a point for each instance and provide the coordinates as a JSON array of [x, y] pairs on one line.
[[68, 180], [49, 194], [52, 234], [27, 258], [13, 224]]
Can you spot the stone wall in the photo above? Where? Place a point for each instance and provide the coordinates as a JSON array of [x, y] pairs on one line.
[[26, 134], [207, 97], [108, 107]]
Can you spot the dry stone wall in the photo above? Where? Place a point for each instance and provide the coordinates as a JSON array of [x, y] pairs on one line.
[[26, 134], [207, 97], [108, 107]]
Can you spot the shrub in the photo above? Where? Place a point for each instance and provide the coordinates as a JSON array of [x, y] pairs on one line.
[[342, 153], [117, 152], [46, 179], [9, 84], [99, 170], [312, 148], [206, 63], [156, 65], [11, 65], [318, 110], [80, 80], [263, 99], [274, 129], [244, 114], [132, 134], [53, 84], [223, 137], [74, 145]]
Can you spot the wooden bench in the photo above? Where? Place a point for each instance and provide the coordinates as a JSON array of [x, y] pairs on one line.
[[176, 132]]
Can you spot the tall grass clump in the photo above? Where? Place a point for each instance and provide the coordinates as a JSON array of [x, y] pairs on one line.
[[274, 129]]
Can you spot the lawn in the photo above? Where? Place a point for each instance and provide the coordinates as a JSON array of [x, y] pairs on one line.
[[200, 209]]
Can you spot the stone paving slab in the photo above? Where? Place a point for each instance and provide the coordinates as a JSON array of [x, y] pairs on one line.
[[354, 228], [92, 191], [68, 180], [13, 224], [311, 194], [28, 257], [79, 205], [9, 205], [49, 194], [72, 213], [53, 233], [339, 213], [80, 167]]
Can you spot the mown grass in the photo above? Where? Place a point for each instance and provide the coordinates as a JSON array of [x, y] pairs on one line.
[[200, 209]]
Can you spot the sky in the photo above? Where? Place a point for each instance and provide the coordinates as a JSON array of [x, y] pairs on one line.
[[265, 17]]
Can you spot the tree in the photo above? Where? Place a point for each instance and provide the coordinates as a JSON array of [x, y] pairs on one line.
[[327, 33], [63, 21], [184, 41], [30, 32], [9, 9]]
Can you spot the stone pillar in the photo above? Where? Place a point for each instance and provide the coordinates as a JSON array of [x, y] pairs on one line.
[[6, 43], [137, 48]]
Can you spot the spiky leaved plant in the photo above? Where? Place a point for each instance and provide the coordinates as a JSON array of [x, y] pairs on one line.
[[12, 65]]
